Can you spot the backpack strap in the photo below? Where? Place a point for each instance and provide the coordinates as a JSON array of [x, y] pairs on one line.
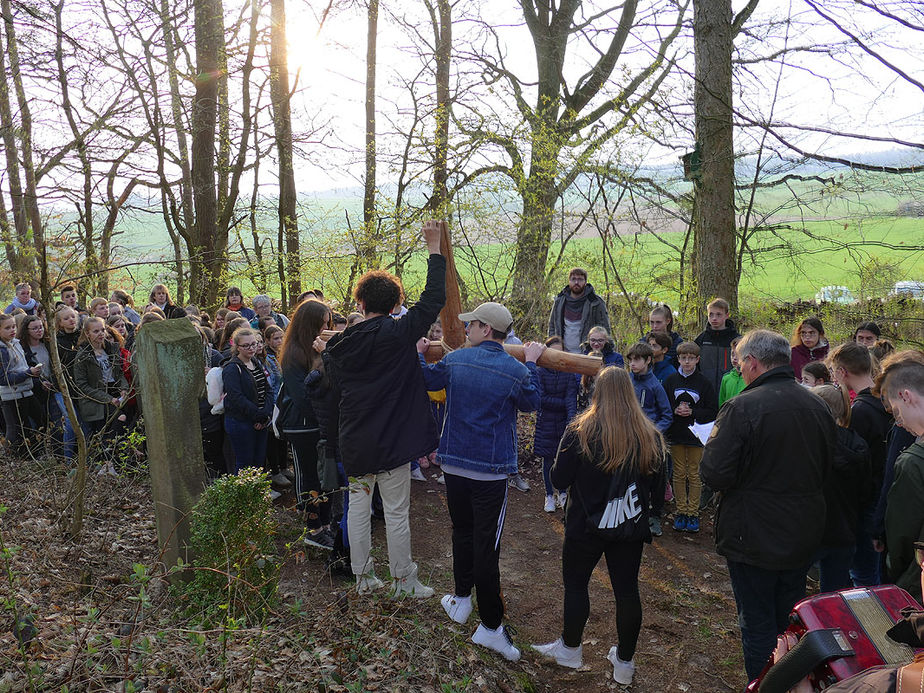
[[910, 677]]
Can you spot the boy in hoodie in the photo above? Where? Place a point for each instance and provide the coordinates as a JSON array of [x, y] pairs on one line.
[[852, 366], [732, 382], [715, 343], [647, 388], [902, 383], [692, 399], [660, 343]]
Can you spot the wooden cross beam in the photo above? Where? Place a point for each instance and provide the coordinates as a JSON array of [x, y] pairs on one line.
[[454, 331]]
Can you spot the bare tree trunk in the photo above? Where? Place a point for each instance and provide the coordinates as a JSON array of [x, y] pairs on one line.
[[206, 254], [367, 250], [282, 123], [16, 244], [25, 114], [95, 269], [715, 193], [179, 126], [442, 34]]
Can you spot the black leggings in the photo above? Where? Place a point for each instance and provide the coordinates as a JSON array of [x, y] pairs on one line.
[[579, 557], [22, 418], [305, 455]]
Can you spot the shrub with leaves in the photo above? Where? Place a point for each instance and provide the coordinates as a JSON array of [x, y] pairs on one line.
[[236, 571]]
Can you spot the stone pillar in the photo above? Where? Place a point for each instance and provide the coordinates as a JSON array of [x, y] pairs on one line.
[[170, 377]]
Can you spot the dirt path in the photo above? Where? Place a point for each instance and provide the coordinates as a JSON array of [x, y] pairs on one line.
[[689, 639]]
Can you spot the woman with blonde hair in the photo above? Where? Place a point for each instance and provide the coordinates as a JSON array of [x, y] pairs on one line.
[[610, 459], [248, 400]]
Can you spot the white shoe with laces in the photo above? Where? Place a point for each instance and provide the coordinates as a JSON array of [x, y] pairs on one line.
[[417, 475], [457, 608], [549, 504], [571, 657], [622, 671], [498, 640], [562, 499]]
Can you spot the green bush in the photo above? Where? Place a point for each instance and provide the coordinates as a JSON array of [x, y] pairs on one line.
[[236, 571]]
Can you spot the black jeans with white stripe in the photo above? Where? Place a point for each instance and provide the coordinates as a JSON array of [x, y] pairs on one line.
[[477, 510]]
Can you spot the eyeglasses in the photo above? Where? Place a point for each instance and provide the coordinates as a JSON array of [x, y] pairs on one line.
[[808, 333], [36, 328], [252, 345]]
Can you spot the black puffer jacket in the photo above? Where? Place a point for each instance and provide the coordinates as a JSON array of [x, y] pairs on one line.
[[769, 455], [715, 352], [385, 418]]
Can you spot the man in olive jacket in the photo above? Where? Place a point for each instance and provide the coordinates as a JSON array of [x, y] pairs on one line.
[[768, 455]]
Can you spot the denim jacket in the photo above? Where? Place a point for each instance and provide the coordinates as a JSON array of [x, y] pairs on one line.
[[485, 387]]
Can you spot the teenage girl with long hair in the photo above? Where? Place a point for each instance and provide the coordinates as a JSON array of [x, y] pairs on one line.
[[99, 382], [298, 359], [21, 410], [610, 458]]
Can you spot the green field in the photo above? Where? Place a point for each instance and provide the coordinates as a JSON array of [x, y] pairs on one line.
[[866, 249]]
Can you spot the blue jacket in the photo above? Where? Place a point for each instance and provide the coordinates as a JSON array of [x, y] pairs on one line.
[[611, 357], [241, 393], [485, 387], [662, 369], [557, 408], [653, 400]]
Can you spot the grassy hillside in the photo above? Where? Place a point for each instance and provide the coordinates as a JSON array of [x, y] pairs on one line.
[[858, 244]]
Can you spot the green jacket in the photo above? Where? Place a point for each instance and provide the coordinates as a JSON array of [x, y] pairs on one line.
[[732, 384], [904, 519], [93, 400]]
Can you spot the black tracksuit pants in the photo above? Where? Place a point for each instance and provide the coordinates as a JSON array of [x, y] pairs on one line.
[[477, 510]]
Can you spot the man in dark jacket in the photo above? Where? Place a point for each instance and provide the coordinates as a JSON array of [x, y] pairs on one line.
[[768, 455], [385, 420], [715, 343], [576, 309]]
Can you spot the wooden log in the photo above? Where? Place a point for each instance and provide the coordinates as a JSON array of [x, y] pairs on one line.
[[552, 359], [453, 329], [170, 378]]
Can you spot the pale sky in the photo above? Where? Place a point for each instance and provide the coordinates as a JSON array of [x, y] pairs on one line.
[[814, 90]]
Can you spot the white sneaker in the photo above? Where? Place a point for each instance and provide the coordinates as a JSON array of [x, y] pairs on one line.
[[368, 583], [570, 657], [457, 608], [498, 640], [410, 586], [441, 479], [622, 671], [562, 499], [549, 504], [418, 475]]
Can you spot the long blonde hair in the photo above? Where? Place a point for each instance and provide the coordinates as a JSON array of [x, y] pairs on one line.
[[614, 430], [838, 401]]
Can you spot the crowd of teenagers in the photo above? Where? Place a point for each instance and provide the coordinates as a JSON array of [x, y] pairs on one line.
[[810, 451]]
